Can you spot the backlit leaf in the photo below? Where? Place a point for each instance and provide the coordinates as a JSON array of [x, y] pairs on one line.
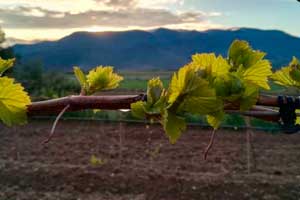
[[298, 118], [5, 65], [240, 53], [80, 77], [258, 74], [154, 90], [212, 65], [138, 109], [102, 78], [95, 161], [173, 126], [182, 83], [13, 102], [155, 104], [249, 98], [283, 76], [203, 61], [202, 105], [220, 67], [202, 100], [215, 120]]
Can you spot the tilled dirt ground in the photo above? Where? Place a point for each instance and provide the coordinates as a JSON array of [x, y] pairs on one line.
[[138, 163]]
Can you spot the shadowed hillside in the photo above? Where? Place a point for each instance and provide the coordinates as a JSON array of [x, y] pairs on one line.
[[158, 49]]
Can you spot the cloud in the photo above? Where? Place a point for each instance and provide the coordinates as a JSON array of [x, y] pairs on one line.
[[159, 3], [73, 6], [76, 6], [52, 19], [119, 3], [35, 17]]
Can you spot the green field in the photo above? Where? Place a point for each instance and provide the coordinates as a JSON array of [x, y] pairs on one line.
[[137, 80]]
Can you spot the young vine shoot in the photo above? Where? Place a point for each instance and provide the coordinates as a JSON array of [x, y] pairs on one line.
[[205, 86]]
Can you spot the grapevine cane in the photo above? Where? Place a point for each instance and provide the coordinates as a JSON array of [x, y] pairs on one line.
[[211, 142], [91, 83], [117, 102], [55, 124]]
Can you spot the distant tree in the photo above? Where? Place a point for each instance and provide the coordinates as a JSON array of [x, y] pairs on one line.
[[2, 37], [30, 74], [8, 52]]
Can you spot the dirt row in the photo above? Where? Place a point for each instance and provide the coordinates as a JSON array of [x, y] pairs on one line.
[[137, 162]]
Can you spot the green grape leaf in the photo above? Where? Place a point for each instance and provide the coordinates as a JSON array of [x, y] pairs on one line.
[[5, 65], [13, 102], [177, 84], [154, 90], [190, 93], [80, 77], [295, 75], [257, 74], [202, 100], [249, 98], [282, 77], [288, 76], [212, 65], [203, 61], [240, 53], [155, 104], [102, 78], [182, 83], [229, 87], [298, 118], [295, 62], [95, 111], [173, 126], [202, 105], [138, 109], [214, 120], [95, 161], [220, 67]]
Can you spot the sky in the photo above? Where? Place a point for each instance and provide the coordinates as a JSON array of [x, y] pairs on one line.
[[54, 19]]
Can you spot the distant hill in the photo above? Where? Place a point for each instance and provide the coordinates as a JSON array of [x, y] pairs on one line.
[[157, 49]]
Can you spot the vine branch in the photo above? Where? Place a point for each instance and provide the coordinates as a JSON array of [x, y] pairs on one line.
[[116, 102]]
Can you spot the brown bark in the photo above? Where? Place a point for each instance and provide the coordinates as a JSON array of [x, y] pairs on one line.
[[116, 102], [78, 103]]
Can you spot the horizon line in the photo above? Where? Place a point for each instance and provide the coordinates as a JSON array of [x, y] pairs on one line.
[[10, 41]]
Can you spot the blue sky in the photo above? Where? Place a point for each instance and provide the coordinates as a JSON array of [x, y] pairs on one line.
[[265, 14], [53, 19]]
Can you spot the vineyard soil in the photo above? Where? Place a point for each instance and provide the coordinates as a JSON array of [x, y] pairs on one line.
[[139, 163]]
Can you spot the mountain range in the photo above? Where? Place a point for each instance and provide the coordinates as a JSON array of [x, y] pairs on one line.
[[156, 49]]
